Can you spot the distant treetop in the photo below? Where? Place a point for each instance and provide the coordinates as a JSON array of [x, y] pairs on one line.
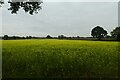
[[98, 32], [116, 33]]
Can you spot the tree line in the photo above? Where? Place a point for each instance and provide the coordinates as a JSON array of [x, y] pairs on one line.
[[97, 33]]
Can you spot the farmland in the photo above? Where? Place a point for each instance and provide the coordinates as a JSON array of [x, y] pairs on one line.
[[52, 58]]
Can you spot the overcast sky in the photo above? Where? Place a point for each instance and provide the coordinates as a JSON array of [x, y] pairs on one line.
[[67, 18]]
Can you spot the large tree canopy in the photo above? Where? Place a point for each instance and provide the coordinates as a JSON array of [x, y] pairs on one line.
[[98, 32], [116, 33], [1, 2], [30, 6]]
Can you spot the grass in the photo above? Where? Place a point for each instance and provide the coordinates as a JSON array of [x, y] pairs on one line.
[[59, 59]]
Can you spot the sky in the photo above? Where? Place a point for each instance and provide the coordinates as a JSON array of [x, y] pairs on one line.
[[61, 18]]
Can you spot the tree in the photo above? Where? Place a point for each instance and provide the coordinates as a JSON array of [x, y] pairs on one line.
[[28, 37], [98, 32], [30, 6], [61, 37], [48, 36], [116, 33], [1, 2], [5, 37]]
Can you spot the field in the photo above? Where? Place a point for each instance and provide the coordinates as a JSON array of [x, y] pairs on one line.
[[49, 58]]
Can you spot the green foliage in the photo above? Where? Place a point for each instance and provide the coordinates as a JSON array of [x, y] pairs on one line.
[[1, 2], [116, 33], [59, 59], [5, 37], [29, 6], [98, 32], [61, 37], [49, 37]]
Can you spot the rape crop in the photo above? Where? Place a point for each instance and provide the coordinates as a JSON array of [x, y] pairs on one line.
[[50, 58]]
